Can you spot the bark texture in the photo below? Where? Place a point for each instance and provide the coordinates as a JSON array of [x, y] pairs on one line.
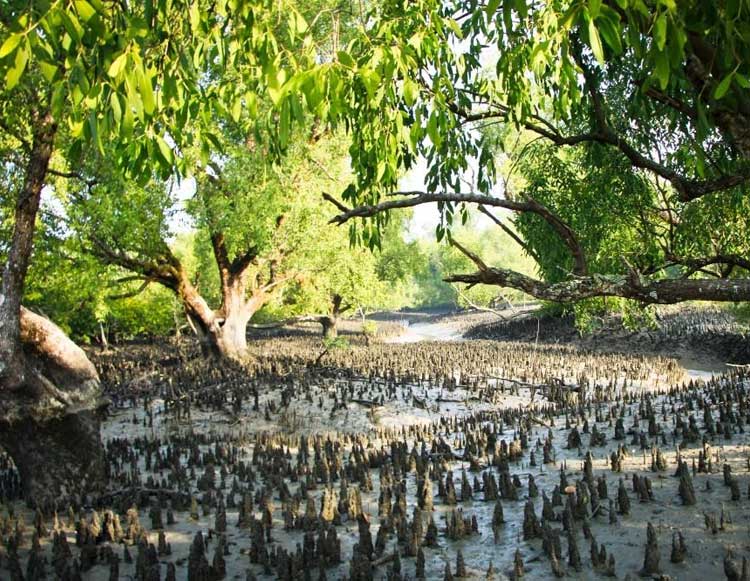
[[14, 273], [331, 320], [667, 291]]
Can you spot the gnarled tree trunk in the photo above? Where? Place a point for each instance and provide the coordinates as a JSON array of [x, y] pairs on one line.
[[330, 326], [222, 332], [331, 320]]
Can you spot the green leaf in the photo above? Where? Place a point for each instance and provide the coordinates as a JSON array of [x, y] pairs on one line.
[[700, 163], [117, 65], [19, 65], [611, 34], [236, 110], [284, 123], [95, 134], [147, 93], [662, 69], [251, 102], [660, 31], [128, 121], [10, 44], [166, 151], [595, 41], [432, 129], [58, 98], [71, 24], [492, 7], [298, 24], [85, 10], [276, 95], [345, 59], [49, 70], [370, 79], [722, 88], [411, 91], [76, 127], [594, 8], [195, 16], [114, 103], [507, 17], [454, 26]]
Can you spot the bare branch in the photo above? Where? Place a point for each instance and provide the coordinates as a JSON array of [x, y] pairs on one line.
[[515, 237], [477, 307], [341, 207], [415, 198], [276, 281], [469, 254], [130, 294], [74, 175]]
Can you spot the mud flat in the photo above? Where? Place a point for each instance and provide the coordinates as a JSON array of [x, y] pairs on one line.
[[439, 459]]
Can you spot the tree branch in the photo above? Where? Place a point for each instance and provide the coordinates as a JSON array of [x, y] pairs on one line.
[[687, 189], [242, 261], [666, 291], [74, 175], [470, 255], [133, 293], [696, 264], [162, 272], [415, 198], [218, 244], [515, 237]]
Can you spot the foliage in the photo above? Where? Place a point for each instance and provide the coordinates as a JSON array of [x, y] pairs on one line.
[[652, 97], [336, 344], [408, 85], [145, 78], [71, 288], [443, 259]]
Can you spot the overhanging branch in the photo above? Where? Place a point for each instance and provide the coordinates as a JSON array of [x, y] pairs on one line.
[[416, 198], [667, 291]]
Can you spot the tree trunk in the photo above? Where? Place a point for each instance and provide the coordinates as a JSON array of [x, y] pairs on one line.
[[223, 333], [103, 337], [12, 368], [330, 324], [50, 427], [202, 333], [231, 336], [49, 390]]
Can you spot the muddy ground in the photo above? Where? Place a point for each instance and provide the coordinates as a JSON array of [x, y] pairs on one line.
[[427, 401]]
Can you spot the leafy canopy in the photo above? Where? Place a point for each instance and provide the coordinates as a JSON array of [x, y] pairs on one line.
[[146, 78]]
